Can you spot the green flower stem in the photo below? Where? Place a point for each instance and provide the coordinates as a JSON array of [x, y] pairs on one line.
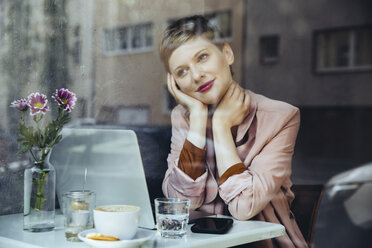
[[32, 154], [44, 137], [42, 159], [61, 114], [37, 120], [39, 182], [39, 195], [23, 117]]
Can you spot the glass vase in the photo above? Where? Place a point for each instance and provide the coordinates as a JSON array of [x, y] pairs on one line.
[[39, 193]]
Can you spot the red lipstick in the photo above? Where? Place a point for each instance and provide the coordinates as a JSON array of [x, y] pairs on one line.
[[205, 86]]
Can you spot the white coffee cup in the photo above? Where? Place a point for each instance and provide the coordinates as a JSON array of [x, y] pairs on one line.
[[120, 221]]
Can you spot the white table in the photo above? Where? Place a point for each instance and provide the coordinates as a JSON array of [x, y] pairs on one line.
[[12, 235]]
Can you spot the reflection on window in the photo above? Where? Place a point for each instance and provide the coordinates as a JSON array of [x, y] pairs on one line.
[[269, 49], [169, 101], [344, 50], [2, 20], [76, 46], [122, 40], [222, 20], [133, 115]]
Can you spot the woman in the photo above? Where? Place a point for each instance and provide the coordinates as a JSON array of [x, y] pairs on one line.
[[231, 149]]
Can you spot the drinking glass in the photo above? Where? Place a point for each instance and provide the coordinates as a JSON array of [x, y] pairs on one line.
[[172, 216], [78, 212]]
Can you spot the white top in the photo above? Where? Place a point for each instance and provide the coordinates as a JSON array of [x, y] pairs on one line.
[[12, 235]]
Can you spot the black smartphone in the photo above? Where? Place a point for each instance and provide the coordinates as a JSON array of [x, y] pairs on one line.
[[212, 225]]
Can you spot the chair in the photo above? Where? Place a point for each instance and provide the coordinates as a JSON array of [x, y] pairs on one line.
[[305, 208], [345, 216]]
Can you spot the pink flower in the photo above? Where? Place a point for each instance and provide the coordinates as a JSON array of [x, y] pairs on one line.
[[65, 99], [21, 104], [38, 103]]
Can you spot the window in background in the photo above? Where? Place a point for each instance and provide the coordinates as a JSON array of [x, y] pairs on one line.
[[147, 33], [343, 50], [136, 37], [128, 39], [269, 49], [110, 40], [123, 38]]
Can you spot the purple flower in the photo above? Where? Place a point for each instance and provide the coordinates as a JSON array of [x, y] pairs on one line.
[[38, 103], [65, 99], [21, 104]]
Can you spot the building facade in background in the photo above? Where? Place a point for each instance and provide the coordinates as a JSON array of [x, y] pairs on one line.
[[130, 81], [310, 53]]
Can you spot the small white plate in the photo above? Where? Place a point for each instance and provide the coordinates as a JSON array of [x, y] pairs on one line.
[[141, 237]]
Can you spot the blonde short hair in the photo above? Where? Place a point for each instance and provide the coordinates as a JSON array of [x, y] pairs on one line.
[[183, 30]]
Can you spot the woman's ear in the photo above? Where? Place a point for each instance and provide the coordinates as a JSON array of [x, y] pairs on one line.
[[228, 52]]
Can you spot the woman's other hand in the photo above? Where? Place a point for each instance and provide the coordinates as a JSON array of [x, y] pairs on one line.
[[233, 107]]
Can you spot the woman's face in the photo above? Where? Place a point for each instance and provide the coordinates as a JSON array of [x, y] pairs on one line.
[[202, 70]]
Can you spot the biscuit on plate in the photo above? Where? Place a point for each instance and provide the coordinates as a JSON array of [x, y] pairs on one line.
[[98, 236]]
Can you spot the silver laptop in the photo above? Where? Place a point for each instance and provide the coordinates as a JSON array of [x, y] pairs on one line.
[[115, 169]]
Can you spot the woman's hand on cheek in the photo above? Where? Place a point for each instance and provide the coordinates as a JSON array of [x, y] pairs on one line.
[[233, 107], [192, 104], [198, 114]]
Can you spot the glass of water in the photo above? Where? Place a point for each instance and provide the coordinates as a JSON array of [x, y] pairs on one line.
[[78, 212], [172, 216]]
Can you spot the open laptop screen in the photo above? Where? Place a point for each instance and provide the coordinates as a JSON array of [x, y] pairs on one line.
[[115, 170]]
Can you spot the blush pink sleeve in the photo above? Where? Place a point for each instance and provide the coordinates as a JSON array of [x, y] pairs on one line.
[[176, 182], [249, 192]]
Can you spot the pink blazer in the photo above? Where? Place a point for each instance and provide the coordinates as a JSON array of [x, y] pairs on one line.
[[265, 142]]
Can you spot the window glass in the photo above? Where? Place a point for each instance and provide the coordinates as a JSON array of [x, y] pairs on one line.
[[334, 49], [137, 37], [128, 39], [305, 53], [347, 49], [148, 35], [110, 40], [123, 34], [363, 49], [269, 49]]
